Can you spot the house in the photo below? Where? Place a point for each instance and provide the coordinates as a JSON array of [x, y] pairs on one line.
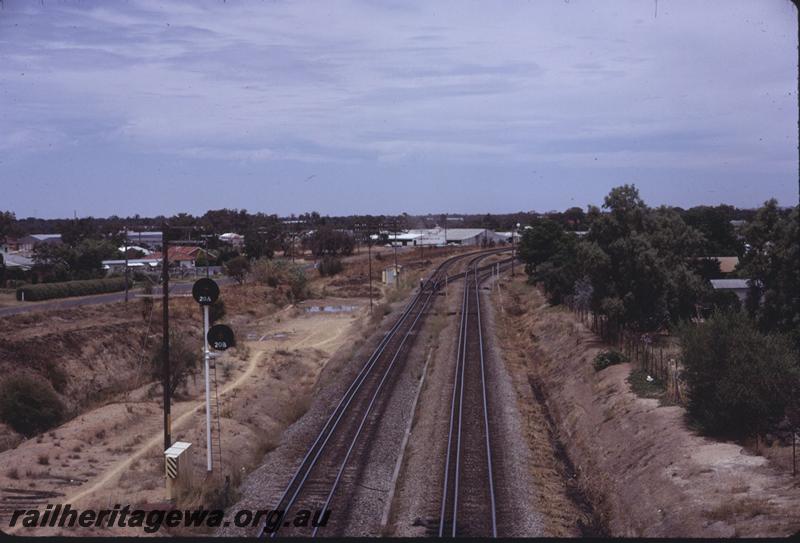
[[181, 255], [727, 264], [27, 243], [17, 261], [737, 286], [236, 240], [11, 244]]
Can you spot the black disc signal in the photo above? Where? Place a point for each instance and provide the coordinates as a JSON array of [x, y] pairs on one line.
[[220, 337], [205, 291]]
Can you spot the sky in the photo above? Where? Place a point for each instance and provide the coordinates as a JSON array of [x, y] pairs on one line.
[[389, 106]]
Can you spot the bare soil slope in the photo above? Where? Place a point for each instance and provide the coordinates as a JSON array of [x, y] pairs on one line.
[[645, 471]]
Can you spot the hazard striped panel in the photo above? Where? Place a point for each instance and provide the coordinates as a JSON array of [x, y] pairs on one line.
[[172, 467]]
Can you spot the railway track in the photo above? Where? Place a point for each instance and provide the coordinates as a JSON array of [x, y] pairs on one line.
[[326, 472], [468, 504]]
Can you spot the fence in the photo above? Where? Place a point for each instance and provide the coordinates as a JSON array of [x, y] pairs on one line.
[[655, 354], [658, 356]]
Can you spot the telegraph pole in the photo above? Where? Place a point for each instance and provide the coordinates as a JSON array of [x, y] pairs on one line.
[[165, 346], [126, 264], [369, 259], [396, 269], [513, 249], [365, 229]]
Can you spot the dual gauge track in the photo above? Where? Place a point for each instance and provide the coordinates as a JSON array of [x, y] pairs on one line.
[[327, 470]]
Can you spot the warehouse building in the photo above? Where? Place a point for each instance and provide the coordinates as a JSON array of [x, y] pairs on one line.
[[27, 243], [151, 240]]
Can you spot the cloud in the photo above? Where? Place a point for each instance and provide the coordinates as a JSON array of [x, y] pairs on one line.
[[406, 83]]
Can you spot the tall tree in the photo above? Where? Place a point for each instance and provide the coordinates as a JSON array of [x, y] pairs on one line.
[[772, 262]]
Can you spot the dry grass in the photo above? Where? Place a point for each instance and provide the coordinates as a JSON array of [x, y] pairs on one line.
[[570, 505], [742, 509]]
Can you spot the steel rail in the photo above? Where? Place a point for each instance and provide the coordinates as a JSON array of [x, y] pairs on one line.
[[461, 345], [455, 429], [337, 413], [458, 391], [485, 409], [368, 411], [333, 420], [483, 268]]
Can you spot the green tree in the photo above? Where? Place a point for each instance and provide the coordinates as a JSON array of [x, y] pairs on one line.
[[238, 268], [75, 231], [184, 359], [29, 405], [714, 222], [327, 240], [772, 262], [63, 262], [540, 242], [7, 225], [262, 241], [740, 380], [639, 262]]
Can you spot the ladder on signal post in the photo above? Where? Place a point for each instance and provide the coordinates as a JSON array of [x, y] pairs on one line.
[[216, 432]]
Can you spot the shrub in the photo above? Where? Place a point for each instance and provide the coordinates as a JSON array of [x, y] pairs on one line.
[[184, 357], [329, 266], [274, 273], [268, 272], [298, 284], [29, 405], [740, 380], [47, 291], [238, 268], [605, 359]]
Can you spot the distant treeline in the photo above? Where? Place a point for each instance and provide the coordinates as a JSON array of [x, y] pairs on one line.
[[240, 220]]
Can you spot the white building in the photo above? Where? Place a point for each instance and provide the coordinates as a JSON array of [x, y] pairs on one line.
[[737, 286], [237, 240], [118, 266], [452, 236], [17, 260], [145, 251], [27, 243]]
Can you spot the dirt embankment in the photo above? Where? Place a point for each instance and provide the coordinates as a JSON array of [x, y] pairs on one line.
[[643, 470], [86, 356], [91, 355], [112, 454]]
